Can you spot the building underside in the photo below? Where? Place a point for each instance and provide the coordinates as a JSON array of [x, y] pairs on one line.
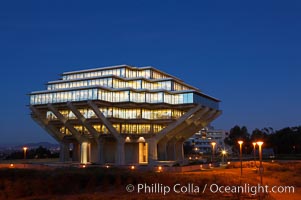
[[113, 147]]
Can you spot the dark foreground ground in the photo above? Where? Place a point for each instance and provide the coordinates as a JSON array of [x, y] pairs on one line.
[[102, 183]]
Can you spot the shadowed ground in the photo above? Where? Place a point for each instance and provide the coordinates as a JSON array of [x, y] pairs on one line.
[[101, 183]]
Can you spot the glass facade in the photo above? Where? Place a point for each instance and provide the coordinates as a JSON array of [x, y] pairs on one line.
[[111, 96], [124, 128], [120, 96], [124, 72], [120, 84], [122, 113]]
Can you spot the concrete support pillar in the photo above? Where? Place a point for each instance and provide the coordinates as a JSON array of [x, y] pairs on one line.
[[76, 152], [64, 152], [100, 151], [170, 149], [85, 152], [120, 154], [94, 152], [152, 151], [162, 155], [179, 151], [142, 153]]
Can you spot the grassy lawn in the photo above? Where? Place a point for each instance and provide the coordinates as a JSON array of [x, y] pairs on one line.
[[102, 183]]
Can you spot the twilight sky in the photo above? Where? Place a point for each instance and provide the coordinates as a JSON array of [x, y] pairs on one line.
[[246, 53]]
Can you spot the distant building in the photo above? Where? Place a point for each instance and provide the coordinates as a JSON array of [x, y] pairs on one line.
[[122, 114], [202, 140]]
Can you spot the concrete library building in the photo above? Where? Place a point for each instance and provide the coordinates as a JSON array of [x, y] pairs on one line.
[[121, 115]]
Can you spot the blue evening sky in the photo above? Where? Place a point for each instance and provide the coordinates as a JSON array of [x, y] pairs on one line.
[[246, 53]]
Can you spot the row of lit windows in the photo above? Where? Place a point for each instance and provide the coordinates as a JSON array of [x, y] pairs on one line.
[[141, 113], [120, 128], [121, 96], [120, 72], [139, 128], [116, 96], [118, 84], [105, 82], [57, 97], [87, 113], [157, 75], [179, 87], [138, 73], [117, 72], [83, 130], [122, 113]]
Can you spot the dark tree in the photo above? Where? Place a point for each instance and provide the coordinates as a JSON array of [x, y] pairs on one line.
[[238, 133], [286, 141], [42, 152]]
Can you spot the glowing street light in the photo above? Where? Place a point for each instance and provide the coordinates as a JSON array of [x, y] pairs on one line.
[[260, 143], [213, 148], [240, 142], [24, 150], [224, 152]]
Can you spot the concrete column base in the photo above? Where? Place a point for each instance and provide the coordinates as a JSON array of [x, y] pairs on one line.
[[162, 154], [120, 155], [64, 152], [76, 152], [152, 152]]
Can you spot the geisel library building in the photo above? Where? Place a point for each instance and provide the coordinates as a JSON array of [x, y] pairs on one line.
[[122, 115]]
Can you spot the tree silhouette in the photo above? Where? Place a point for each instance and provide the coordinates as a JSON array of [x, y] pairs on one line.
[[238, 133]]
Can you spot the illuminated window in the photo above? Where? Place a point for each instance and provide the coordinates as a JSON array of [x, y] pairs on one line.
[[65, 113], [50, 115], [97, 128], [65, 130], [135, 128], [158, 127]]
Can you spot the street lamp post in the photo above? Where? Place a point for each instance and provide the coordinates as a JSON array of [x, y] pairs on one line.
[[254, 145], [240, 142], [260, 143], [24, 150], [213, 148]]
